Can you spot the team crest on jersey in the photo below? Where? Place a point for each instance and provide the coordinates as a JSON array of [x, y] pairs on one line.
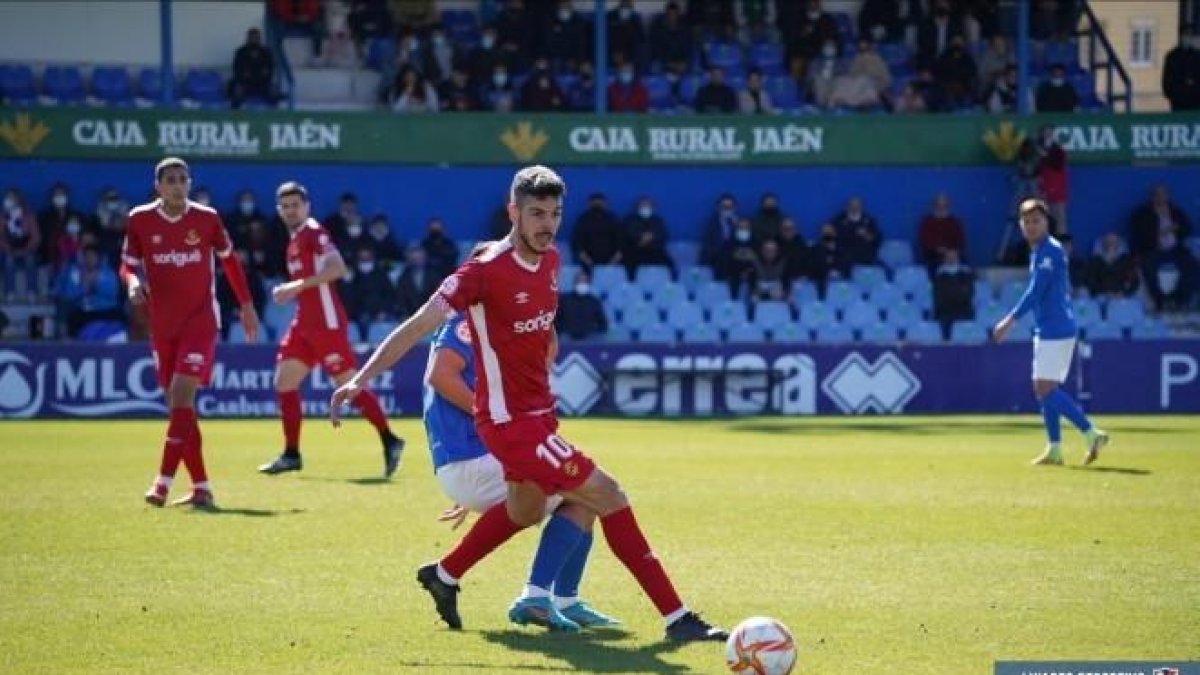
[[1046, 264], [571, 469], [463, 333], [156, 239], [191, 239]]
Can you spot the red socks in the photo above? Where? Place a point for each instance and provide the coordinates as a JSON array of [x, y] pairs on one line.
[[368, 403], [289, 410], [492, 529], [631, 548], [173, 444], [184, 427]]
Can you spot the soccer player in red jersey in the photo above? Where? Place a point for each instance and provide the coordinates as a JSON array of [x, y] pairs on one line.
[[317, 335], [509, 294], [167, 264]]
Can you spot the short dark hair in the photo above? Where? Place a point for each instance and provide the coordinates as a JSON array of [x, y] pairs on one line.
[[289, 188], [168, 163], [537, 181]]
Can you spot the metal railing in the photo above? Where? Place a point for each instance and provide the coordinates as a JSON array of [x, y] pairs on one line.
[[1102, 57]]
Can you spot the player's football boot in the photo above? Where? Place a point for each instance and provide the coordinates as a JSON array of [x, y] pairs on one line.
[[197, 498], [587, 617], [393, 450], [445, 596], [156, 495], [1051, 456], [1096, 439], [540, 612], [282, 464], [691, 628]]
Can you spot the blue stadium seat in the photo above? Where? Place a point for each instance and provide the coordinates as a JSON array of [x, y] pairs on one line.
[[688, 86], [1087, 312], [649, 276], [896, 54], [902, 314], [767, 57], [770, 314], [912, 280], [895, 253], [968, 333], [789, 332], [685, 253], [378, 330], [1085, 85], [839, 294], [112, 85], [989, 312], [834, 334], [783, 91], [983, 291], [816, 315], [724, 55], [880, 333], [381, 53], [1125, 312], [607, 277], [461, 25], [1011, 292], [623, 294], [924, 332], [727, 314], [237, 334], [277, 316], [566, 276], [1065, 53], [204, 86], [638, 315], [150, 83], [868, 277], [684, 314], [712, 293], [885, 295], [860, 314], [657, 333], [700, 333], [658, 89], [64, 84], [666, 294], [1150, 329], [1104, 331], [17, 84], [694, 276], [353, 333], [746, 333]]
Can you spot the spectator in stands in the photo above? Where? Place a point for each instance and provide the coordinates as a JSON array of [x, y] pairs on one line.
[[626, 34], [709, 17], [771, 279], [456, 94], [1170, 273], [715, 96], [369, 20], [367, 293], [937, 32], [1052, 178], [827, 261], [226, 300], [670, 40], [498, 95], [339, 222], [1014, 250], [414, 52], [580, 314], [263, 253], [940, 231], [929, 89], [414, 16], [910, 101], [69, 242], [443, 52], [794, 251], [956, 74], [253, 72], [765, 224], [52, 223], [981, 19], [1056, 94], [297, 16], [805, 32], [108, 223], [754, 100], [718, 233], [382, 243], [237, 221], [858, 233], [627, 93], [822, 73], [540, 93], [412, 93], [85, 290], [440, 250], [1001, 96], [1050, 19], [994, 62], [1111, 271], [953, 291], [582, 97], [19, 244], [597, 238], [1153, 218], [417, 283], [741, 259], [514, 33], [338, 50], [1076, 266], [1181, 75], [646, 238], [863, 83], [483, 59], [880, 20], [568, 38]]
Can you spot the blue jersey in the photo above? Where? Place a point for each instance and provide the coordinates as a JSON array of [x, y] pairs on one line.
[[1049, 292], [451, 430]]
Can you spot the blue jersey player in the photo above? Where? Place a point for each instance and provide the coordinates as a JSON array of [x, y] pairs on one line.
[[474, 479], [1049, 298]]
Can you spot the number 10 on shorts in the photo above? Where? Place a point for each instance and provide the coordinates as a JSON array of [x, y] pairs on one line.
[[554, 450]]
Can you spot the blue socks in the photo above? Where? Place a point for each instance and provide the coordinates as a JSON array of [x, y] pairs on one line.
[[1050, 417], [567, 583], [560, 538], [1068, 408]]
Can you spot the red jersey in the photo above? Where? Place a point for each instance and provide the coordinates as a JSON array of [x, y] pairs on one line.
[[510, 307], [175, 256], [320, 307]]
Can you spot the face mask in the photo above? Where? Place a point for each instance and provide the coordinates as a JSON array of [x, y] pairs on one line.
[[1168, 278], [73, 228], [626, 77], [366, 267], [854, 216], [625, 13], [583, 289], [645, 211], [726, 212], [1057, 81], [354, 230], [829, 51], [113, 205], [247, 207], [10, 204], [59, 201], [1166, 241], [438, 39], [564, 15], [414, 45], [379, 234], [742, 235], [500, 79], [814, 14], [488, 42]]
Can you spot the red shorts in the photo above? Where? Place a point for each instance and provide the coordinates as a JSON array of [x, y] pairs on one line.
[[328, 348], [529, 450], [189, 353]]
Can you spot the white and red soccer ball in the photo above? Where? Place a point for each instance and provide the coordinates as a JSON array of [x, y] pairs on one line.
[[760, 646]]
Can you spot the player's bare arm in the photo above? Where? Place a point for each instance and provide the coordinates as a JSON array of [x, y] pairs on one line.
[[392, 349], [1002, 327], [446, 378], [332, 268]]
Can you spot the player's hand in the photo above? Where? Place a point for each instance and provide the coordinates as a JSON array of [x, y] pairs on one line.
[[1000, 330], [285, 293], [250, 321], [137, 291], [343, 395], [456, 515]]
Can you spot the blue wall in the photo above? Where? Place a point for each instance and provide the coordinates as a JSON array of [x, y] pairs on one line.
[[1102, 197]]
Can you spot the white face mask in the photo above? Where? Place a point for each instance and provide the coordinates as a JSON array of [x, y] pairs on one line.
[[564, 14], [59, 201], [366, 267], [742, 235], [500, 79], [626, 77], [829, 51], [583, 289], [645, 211], [247, 207], [10, 204], [354, 230], [73, 227], [1168, 278], [488, 41]]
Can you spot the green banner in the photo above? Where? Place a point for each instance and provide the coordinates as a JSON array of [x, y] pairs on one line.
[[104, 133]]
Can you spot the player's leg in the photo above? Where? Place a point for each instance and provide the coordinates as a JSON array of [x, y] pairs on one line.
[[566, 584], [1052, 362], [1052, 455], [368, 403], [181, 398], [172, 452], [289, 375], [561, 535]]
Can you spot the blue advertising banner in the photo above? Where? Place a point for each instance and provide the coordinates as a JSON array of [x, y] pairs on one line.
[[66, 380]]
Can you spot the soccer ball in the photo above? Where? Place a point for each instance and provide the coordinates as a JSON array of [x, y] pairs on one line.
[[760, 646]]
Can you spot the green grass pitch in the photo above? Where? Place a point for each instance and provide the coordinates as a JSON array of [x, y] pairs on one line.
[[888, 545]]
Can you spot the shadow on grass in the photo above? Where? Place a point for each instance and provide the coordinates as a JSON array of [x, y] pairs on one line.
[[248, 513], [373, 480], [897, 427], [590, 652], [1129, 471]]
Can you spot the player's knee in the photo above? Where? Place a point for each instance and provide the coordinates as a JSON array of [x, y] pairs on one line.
[[525, 514], [610, 497]]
